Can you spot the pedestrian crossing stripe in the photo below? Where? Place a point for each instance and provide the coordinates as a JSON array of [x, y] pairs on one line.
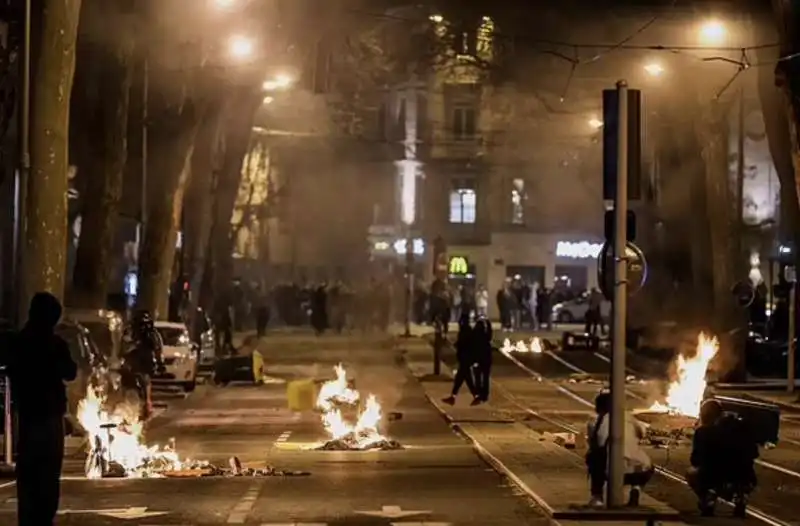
[[208, 421]]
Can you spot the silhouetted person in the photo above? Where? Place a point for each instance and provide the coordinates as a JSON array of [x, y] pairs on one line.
[[262, 316], [39, 362], [465, 354], [482, 341], [319, 309]]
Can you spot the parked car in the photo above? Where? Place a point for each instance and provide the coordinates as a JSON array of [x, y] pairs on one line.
[[574, 310], [91, 363], [181, 356], [203, 335], [105, 328]]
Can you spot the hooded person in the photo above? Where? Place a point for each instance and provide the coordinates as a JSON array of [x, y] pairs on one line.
[[39, 363], [465, 354]]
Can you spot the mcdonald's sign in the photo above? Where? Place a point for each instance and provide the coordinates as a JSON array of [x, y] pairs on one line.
[[458, 266]]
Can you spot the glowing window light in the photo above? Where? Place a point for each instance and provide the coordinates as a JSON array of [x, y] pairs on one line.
[[579, 250]]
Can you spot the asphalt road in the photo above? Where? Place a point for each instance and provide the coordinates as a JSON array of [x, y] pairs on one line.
[[551, 405], [437, 479]]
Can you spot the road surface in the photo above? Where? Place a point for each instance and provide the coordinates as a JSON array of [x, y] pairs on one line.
[[436, 481]]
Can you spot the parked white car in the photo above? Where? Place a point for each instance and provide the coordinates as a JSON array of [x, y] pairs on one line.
[[180, 355], [574, 311]]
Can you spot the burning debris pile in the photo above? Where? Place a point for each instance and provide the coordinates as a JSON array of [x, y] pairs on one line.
[[337, 397], [535, 346], [117, 448], [685, 392], [116, 441]]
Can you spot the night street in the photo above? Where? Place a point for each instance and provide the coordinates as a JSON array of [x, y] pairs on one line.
[[429, 481], [562, 402]]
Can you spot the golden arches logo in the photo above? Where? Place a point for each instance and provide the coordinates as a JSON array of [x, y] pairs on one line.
[[458, 265]]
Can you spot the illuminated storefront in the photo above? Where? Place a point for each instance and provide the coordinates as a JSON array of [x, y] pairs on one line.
[[565, 262]]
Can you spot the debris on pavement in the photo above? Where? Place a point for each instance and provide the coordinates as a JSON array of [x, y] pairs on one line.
[[351, 442], [565, 440]]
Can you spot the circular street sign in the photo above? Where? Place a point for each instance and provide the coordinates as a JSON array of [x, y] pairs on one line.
[[637, 269], [744, 293]]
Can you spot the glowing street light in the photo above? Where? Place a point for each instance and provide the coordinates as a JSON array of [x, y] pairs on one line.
[[595, 123], [280, 82], [224, 4], [268, 100], [712, 32], [654, 69], [241, 47]]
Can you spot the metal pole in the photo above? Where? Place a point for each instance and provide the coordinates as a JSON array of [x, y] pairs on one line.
[[409, 281], [21, 223], [740, 175], [617, 423], [145, 117], [790, 379]]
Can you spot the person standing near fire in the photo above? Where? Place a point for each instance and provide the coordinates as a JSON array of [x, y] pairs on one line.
[[38, 365], [482, 341], [465, 354]]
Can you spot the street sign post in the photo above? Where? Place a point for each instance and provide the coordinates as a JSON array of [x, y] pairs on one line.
[[637, 270], [791, 277], [618, 129], [620, 120]]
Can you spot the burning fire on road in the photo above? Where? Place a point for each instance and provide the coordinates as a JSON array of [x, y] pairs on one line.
[[685, 392], [534, 347], [116, 442], [337, 398]]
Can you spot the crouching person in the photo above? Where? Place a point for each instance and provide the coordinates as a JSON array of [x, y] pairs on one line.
[[638, 466], [723, 460]]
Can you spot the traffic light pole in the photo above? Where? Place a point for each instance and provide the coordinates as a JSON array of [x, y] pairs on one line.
[[791, 355], [617, 418]]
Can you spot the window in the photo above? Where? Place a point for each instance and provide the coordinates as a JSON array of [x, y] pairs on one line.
[[463, 203], [464, 123], [518, 202]]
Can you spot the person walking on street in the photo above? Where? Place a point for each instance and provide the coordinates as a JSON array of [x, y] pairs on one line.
[[39, 363], [465, 354], [482, 340]]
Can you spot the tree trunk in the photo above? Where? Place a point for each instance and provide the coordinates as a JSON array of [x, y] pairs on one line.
[[237, 142], [105, 167], [199, 199], [46, 218], [787, 78], [171, 141]]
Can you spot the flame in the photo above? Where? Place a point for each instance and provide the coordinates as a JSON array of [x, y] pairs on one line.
[[117, 436], [534, 347], [685, 393], [335, 393]]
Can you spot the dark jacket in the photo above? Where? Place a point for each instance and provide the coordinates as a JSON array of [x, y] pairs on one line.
[[482, 340], [465, 346], [39, 362]]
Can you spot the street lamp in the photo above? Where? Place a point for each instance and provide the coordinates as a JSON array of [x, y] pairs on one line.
[[595, 123], [268, 100], [241, 47], [712, 32], [654, 69], [224, 4]]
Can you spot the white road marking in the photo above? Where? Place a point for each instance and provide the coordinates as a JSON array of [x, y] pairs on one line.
[[117, 513], [7, 484], [394, 512], [245, 505], [283, 437], [236, 420]]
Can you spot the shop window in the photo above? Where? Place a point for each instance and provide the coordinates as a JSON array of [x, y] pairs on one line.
[[463, 203], [518, 202]]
